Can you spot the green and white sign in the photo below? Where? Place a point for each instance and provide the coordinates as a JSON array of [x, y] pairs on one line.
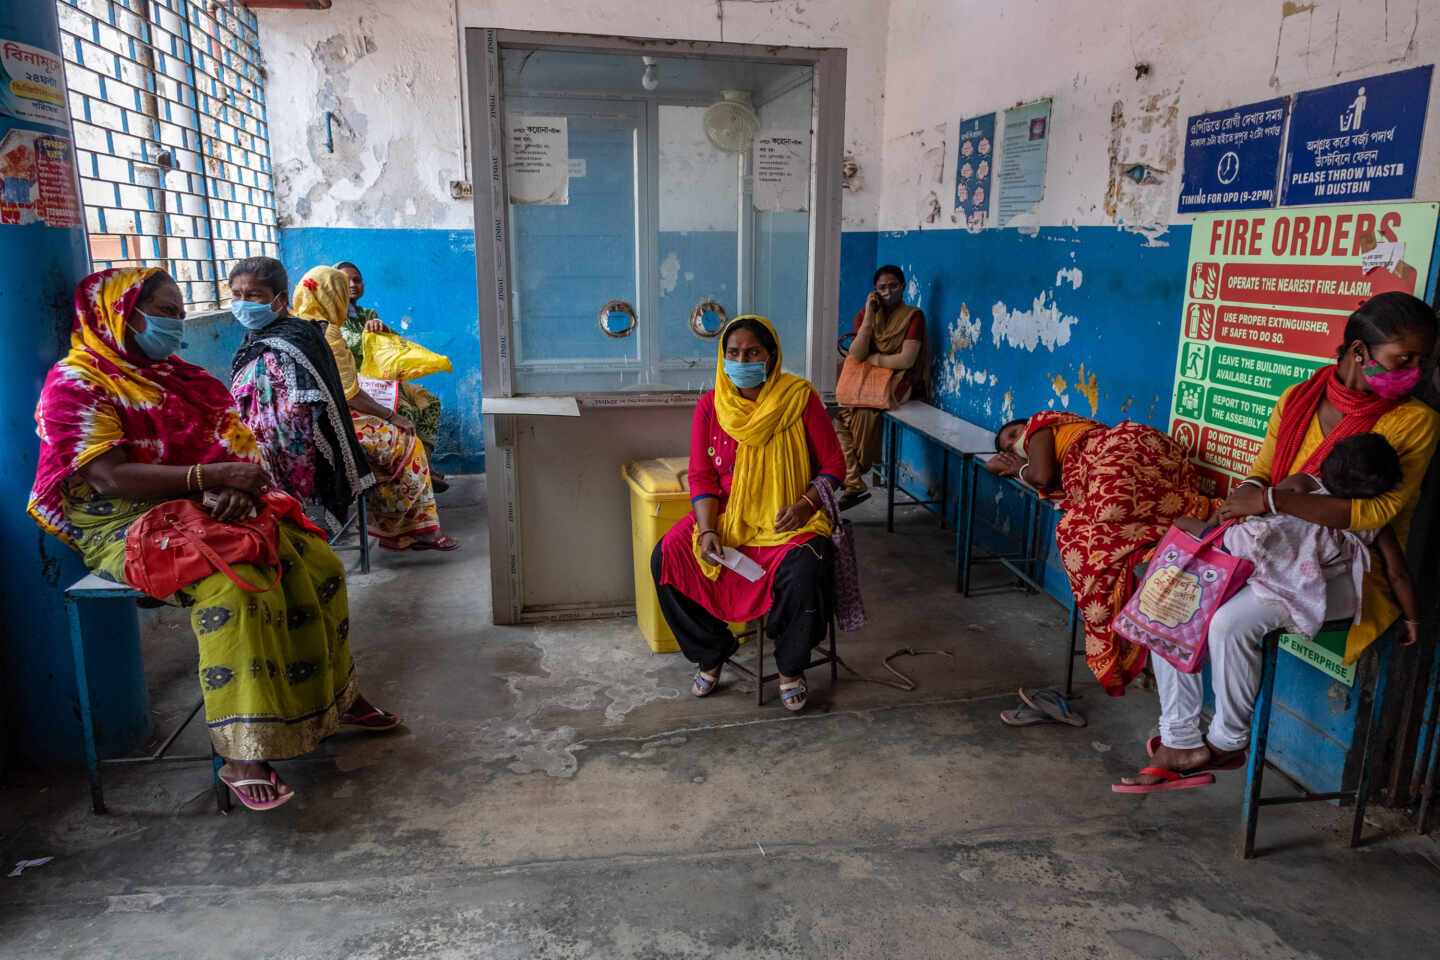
[[1267, 294]]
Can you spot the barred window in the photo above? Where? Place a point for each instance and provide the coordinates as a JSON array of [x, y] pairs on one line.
[[168, 103]]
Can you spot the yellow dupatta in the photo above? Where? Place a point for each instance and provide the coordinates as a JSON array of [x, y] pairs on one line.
[[772, 457], [323, 296]]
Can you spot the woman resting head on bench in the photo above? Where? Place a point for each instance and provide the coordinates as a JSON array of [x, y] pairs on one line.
[[760, 444], [124, 426], [1122, 488], [1386, 344]]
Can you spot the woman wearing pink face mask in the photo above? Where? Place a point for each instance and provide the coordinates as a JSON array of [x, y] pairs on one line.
[[1387, 342]]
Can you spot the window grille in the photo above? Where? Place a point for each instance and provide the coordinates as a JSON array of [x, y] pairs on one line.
[[168, 103]]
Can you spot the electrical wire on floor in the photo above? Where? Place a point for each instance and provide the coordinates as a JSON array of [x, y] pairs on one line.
[[904, 682]]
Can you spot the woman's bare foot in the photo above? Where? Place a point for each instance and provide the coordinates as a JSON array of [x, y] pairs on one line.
[[260, 793], [1204, 757]]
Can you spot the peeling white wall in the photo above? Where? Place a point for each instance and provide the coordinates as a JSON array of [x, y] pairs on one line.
[[949, 61], [390, 74]]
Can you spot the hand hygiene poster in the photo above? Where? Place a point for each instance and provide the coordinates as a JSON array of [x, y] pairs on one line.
[[1266, 299]]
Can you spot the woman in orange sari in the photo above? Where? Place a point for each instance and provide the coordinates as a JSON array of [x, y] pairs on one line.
[[1122, 487], [402, 511]]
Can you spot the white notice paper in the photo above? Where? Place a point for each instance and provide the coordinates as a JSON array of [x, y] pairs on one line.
[[735, 560], [782, 171], [1385, 255], [384, 392], [537, 160]]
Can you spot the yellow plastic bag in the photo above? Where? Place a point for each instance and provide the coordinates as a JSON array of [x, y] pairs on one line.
[[389, 356]]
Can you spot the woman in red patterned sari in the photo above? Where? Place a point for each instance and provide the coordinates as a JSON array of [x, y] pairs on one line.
[[1122, 487]]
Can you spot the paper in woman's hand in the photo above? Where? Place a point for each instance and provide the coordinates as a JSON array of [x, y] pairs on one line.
[[733, 559]]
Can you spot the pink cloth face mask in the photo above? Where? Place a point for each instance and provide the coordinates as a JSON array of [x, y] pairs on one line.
[[1391, 384]]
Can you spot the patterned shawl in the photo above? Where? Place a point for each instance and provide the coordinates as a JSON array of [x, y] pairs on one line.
[[100, 397], [342, 470]]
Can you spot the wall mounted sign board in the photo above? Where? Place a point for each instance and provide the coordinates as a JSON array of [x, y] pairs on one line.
[[1232, 158], [1022, 159], [1357, 141], [973, 170]]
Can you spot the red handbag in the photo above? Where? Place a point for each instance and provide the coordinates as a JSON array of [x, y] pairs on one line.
[[179, 543]]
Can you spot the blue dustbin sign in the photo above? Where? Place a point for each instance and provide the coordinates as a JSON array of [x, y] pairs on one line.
[[1232, 158], [1357, 141]]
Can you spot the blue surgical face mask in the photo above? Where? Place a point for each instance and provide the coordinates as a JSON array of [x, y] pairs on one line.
[[161, 336], [253, 316], [746, 375]]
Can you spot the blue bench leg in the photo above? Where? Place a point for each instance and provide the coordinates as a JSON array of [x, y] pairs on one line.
[[1070, 654], [1259, 737], [87, 719], [891, 442], [363, 528], [1372, 741], [972, 475], [222, 792], [1427, 790]]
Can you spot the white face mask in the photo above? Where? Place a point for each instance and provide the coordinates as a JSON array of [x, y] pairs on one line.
[[1019, 446]]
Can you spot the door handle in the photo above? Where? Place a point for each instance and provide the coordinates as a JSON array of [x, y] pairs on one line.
[[699, 316], [612, 314]]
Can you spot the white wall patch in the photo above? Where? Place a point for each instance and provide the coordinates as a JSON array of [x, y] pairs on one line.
[[1043, 323]]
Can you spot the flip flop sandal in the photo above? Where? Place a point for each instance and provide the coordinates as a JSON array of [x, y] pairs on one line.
[[273, 780], [1051, 703], [438, 484], [1023, 717], [794, 695], [1234, 763], [1169, 780], [702, 687], [446, 543], [852, 500], [376, 720]]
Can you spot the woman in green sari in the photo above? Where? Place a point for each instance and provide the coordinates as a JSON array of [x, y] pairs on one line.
[[125, 425]]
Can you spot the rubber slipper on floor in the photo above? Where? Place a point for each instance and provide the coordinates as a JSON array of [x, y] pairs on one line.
[[1023, 717], [375, 720], [445, 543], [1053, 704], [1169, 780]]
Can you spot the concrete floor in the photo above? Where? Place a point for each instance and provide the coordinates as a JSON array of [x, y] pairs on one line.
[[558, 794]]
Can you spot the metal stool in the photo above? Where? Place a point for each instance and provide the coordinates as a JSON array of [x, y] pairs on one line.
[[827, 655], [358, 521], [92, 587], [1260, 735]]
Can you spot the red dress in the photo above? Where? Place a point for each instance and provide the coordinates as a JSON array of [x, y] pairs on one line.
[[712, 465]]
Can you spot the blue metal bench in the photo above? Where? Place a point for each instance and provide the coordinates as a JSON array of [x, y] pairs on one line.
[[91, 587], [1260, 735]]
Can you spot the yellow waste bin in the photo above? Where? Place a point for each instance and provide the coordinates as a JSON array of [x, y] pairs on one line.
[[659, 498]]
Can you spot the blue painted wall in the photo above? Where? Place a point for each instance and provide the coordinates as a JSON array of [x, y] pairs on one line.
[[422, 282]]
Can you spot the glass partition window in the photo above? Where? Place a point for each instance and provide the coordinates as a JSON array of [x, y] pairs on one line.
[[635, 225]]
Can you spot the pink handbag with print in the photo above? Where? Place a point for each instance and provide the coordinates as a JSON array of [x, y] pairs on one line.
[[1187, 581]]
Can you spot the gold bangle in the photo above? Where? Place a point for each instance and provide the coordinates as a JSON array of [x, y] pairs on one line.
[[190, 479], [200, 476]]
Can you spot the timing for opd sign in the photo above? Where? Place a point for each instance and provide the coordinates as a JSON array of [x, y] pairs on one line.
[[1266, 299]]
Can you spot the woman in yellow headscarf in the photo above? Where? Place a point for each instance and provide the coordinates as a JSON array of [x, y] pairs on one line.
[[402, 510], [759, 443]]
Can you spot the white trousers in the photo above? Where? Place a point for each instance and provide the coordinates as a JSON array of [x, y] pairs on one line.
[[1234, 649]]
